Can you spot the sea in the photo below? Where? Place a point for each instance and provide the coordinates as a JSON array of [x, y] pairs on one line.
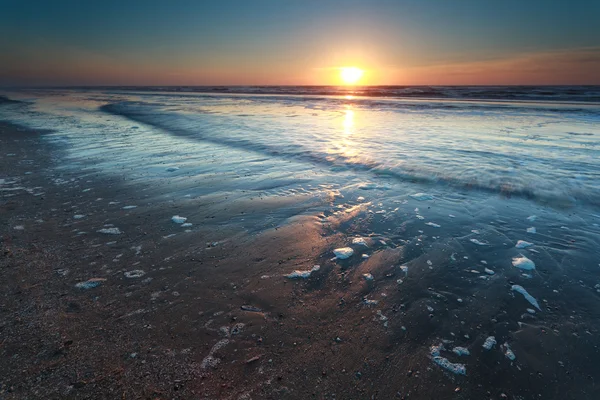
[[492, 192]]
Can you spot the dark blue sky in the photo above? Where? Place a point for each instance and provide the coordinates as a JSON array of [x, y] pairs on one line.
[[298, 42]]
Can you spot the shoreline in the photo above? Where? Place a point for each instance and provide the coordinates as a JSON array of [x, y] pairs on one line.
[[212, 315]]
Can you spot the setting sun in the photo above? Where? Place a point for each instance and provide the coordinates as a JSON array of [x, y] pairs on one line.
[[351, 75]]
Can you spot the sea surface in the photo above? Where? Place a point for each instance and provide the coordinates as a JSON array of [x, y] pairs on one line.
[[455, 175]]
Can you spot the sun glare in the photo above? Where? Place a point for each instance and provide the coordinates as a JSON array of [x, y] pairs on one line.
[[351, 75]]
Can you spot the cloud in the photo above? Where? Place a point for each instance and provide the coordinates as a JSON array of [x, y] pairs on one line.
[[569, 67]]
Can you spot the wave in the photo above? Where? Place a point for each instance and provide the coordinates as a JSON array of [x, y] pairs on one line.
[[6, 100], [545, 191], [576, 94]]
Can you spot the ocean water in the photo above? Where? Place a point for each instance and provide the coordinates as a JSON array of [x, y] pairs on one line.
[[456, 177], [544, 151]]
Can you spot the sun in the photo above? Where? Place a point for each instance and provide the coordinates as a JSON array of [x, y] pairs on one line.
[[351, 75]]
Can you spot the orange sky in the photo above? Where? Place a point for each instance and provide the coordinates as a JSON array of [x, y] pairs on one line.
[[269, 42]]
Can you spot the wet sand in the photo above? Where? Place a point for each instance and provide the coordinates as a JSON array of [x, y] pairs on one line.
[[212, 316]]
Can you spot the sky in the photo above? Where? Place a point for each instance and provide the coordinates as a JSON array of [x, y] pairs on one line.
[[299, 42]]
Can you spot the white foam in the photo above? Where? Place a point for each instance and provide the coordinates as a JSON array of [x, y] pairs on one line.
[[523, 263], [136, 273], [489, 343], [187, 224], [444, 363], [421, 196], [110, 231], [528, 297], [90, 283], [509, 353], [368, 277], [532, 218], [433, 224], [129, 207], [521, 244], [297, 274], [172, 169], [178, 220], [477, 242], [489, 271], [461, 351], [343, 253], [531, 230], [210, 360], [365, 256], [78, 216]]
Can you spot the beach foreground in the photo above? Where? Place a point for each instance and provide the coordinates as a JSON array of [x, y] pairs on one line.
[[120, 285]]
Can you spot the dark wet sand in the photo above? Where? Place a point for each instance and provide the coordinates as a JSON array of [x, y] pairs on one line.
[[184, 334]]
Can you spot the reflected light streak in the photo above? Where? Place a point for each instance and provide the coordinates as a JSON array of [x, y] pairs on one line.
[[349, 122]]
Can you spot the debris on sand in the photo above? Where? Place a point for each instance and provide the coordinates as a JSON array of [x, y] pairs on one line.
[[110, 231], [250, 308], [528, 297], [365, 256], [523, 263], [443, 362], [489, 343], [136, 273], [368, 277], [178, 220], [421, 196], [343, 253], [521, 244], [253, 359], [90, 283], [297, 274]]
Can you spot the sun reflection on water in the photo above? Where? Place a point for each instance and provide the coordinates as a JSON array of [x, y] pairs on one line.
[[349, 121]]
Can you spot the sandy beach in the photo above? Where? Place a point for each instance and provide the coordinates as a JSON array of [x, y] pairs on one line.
[[168, 283]]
